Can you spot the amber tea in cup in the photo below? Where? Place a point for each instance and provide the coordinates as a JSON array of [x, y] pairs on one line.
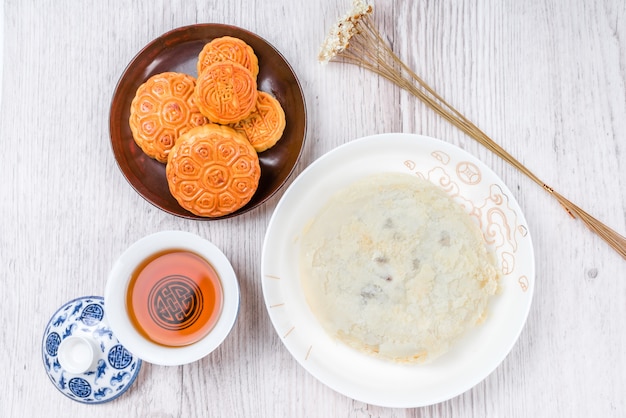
[[174, 298]]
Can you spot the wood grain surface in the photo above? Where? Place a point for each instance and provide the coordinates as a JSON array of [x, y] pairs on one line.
[[546, 79]]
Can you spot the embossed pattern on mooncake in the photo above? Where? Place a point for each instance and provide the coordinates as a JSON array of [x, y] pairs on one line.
[[265, 126], [226, 92], [213, 171], [228, 48], [163, 109]]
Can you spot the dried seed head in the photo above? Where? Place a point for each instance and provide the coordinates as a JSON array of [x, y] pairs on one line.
[[338, 38]]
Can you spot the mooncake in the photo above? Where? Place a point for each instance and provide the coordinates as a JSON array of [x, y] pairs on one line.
[[212, 170], [396, 269], [226, 92], [163, 108], [228, 48], [265, 126]]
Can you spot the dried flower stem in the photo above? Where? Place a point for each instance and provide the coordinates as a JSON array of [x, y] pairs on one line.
[[363, 45]]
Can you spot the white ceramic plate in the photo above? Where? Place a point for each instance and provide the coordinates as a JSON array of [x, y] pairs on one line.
[[357, 375]]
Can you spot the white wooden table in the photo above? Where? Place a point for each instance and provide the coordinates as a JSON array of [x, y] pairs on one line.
[[546, 79]]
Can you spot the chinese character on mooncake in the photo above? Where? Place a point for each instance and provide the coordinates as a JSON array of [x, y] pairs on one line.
[[226, 92]]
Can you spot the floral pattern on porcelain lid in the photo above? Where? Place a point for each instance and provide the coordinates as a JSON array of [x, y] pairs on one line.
[[113, 368]]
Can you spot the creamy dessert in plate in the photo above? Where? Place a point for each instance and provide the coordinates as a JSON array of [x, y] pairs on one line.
[[394, 267]]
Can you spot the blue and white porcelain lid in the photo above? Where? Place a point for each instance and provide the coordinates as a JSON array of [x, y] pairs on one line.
[[82, 357]]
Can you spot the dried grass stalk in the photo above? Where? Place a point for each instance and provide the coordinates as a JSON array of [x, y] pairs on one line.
[[355, 40]]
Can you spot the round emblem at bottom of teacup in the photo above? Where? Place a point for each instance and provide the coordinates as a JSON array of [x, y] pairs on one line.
[[82, 357]]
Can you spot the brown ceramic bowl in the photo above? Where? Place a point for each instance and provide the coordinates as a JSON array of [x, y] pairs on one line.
[[178, 50]]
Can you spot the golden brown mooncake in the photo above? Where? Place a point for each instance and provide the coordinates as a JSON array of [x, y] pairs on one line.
[[265, 126], [212, 170], [163, 109], [228, 48], [226, 92]]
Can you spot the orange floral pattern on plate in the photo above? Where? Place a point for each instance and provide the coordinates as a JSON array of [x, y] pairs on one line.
[[494, 215]]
